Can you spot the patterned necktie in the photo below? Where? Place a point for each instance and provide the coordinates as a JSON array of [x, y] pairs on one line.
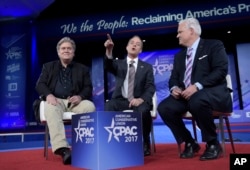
[[131, 78], [187, 77]]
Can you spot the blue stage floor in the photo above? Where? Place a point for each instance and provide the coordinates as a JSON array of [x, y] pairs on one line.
[[161, 132]]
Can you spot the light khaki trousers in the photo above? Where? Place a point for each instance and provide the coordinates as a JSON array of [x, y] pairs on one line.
[[54, 116]]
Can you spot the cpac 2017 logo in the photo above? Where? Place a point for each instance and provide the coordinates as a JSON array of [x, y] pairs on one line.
[[130, 133], [161, 68], [86, 133]]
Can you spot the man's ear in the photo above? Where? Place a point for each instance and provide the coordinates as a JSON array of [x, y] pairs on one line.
[[127, 47]]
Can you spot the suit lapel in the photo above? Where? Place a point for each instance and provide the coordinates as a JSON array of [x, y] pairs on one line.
[[124, 68], [55, 72], [198, 53], [74, 75], [182, 62], [139, 71]]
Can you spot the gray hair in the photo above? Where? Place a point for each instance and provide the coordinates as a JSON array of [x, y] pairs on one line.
[[192, 23], [66, 39]]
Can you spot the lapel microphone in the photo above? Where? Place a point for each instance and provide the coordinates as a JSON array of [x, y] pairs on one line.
[[131, 63]]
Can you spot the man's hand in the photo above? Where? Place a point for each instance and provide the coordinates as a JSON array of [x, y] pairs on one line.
[[188, 92], [75, 100], [109, 46], [136, 102], [176, 92], [109, 43], [51, 99]]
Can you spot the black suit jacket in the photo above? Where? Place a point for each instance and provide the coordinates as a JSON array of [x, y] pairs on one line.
[[144, 86], [82, 84], [210, 68]]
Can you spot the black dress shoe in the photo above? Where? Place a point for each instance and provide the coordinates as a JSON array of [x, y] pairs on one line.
[[147, 150], [67, 157], [190, 149], [65, 153], [211, 152]]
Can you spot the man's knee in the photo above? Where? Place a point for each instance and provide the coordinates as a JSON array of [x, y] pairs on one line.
[[162, 107], [85, 106], [109, 105], [197, 103]]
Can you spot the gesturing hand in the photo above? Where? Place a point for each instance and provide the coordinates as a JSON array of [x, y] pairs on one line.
[[109, 43]]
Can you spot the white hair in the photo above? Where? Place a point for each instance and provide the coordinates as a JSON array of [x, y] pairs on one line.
[[192, 23]]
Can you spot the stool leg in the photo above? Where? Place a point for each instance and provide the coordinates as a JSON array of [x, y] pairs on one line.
[[46, 141], [194, 129], [221, 129], [229, 133], [152, 137]]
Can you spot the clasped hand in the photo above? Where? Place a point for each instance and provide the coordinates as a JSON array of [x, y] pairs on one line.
[[186, 94], [136, 102]]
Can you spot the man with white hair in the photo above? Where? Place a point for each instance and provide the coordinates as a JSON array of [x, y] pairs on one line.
[[198, 85]]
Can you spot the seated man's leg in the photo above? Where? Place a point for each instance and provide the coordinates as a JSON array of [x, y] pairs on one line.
[[59, 143], [171, 111], [85, 106], [54, 115], [202, 111], [117, 105], [144, 109]]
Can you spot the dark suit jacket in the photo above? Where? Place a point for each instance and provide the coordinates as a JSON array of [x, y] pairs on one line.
[[144, 79], [82, 84], [210, 68]]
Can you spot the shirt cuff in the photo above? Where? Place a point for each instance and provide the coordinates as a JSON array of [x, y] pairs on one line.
[[172, 88], [198, 85]]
